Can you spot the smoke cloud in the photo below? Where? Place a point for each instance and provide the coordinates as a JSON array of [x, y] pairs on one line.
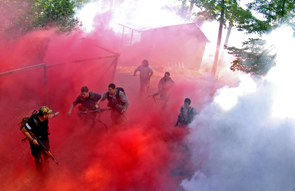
[[248, 145], [146, 153]]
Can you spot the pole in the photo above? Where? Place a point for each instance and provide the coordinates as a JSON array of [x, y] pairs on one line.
[[131, 37], [115, 67], [45, 85]]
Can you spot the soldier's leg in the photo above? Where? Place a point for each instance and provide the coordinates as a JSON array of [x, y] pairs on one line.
[[91, 119], [142, 86], [45, 155], [36, 152], [116, 117]]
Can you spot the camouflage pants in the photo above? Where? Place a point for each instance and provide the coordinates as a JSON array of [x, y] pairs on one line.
[[116, 117]]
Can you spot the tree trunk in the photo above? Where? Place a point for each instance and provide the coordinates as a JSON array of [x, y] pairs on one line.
[[283, 6], [191, 10], [225, 44], [112, 4], [214, 68]]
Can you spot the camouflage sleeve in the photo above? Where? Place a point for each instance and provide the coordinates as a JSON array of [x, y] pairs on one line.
[[104, 96], [181, 108], [124, 100], [195, 112]]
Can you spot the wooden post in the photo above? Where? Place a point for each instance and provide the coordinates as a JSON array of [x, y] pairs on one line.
[[131, 37], [115, 67]]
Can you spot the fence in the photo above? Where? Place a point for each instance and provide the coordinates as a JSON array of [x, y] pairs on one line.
[[45, 66]]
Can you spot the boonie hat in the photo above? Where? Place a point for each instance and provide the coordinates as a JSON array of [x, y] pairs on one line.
[[45, 110]]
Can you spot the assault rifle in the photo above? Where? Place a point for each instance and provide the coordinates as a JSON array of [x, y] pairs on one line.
[[98, 111], [43, 146], [120, 111], [95, 110], [154, 96]]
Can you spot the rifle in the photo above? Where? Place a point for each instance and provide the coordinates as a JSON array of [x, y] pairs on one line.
[[179, 120], [46, 150], [95, 110], [99, 111], [120, 111], [154, 95]]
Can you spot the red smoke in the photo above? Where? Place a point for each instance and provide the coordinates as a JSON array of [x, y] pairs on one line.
[[146, 153]]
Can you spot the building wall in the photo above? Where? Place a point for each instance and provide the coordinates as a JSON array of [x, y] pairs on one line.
[[177, 45]]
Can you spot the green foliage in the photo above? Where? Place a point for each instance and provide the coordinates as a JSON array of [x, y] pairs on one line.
[[275, 12], [15, 17], [59, 12], [210, 9], [254, 57]]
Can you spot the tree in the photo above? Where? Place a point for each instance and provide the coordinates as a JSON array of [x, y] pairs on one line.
[[15, 16], [255, 57], [21, 16], [223, 11], [59, 12]]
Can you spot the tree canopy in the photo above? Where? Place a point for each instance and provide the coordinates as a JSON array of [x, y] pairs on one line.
[[254, 57], [20, 16], [59, 12]]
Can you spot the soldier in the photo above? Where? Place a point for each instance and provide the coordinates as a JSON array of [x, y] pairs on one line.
[[118, 102], [187, 113], [89, 101], [165, 84], [37, 125], [146, 73]]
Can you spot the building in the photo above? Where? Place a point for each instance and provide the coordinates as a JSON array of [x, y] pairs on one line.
[[175, 44]]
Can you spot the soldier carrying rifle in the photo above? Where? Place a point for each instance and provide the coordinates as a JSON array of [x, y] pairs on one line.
[[187, 114], [164, 85], [118, 103], [89, 101], [36, 130]]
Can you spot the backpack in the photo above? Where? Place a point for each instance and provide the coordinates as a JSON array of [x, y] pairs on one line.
[[118, 90], [25, 120]]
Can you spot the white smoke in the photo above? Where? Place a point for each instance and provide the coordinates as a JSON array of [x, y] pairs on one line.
[[249, 143]]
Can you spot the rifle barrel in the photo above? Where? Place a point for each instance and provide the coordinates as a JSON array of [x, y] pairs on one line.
[[96, 110]]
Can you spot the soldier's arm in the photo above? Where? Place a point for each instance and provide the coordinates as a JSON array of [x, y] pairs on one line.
[[137, 69], [195, 112], [124, 99], [160, 85], [70, 111], [28, 135], [103, 97], [53, 115], [77, 100], [151, 72], [97, 103]]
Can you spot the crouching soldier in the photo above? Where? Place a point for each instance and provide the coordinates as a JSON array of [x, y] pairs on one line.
[[187, 113], [118, 102], [89, 102], [36, 129]]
